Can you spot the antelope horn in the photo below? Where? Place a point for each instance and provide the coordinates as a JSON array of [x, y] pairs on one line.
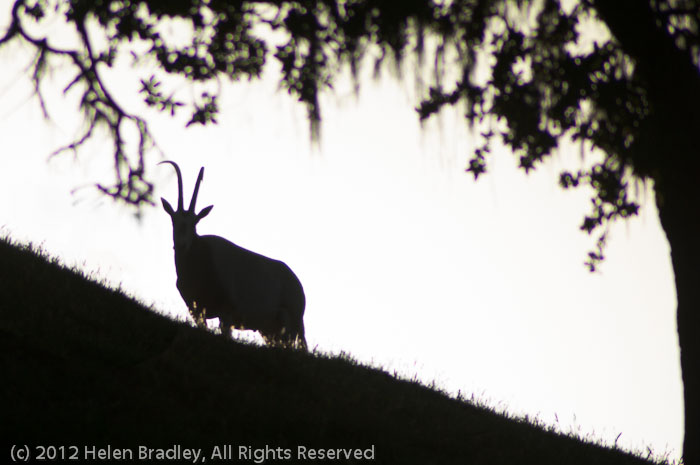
[[196, 189], [179, 182]]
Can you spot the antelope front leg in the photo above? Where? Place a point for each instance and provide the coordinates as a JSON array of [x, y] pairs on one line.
[[198, 315]]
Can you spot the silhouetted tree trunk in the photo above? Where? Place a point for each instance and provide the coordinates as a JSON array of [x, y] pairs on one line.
[[676, 201], [677, 98]]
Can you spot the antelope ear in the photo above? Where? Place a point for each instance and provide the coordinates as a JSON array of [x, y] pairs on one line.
[[167, 207], [205, 211]]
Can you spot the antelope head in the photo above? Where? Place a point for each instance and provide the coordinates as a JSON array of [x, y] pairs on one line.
[[184, 221]]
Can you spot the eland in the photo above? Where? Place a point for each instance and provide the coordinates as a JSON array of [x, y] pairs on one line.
[[245, 290]]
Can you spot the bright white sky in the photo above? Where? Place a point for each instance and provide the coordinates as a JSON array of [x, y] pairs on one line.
[[407, 263]]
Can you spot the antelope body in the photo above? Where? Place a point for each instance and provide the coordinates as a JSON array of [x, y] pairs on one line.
[[245, 290]]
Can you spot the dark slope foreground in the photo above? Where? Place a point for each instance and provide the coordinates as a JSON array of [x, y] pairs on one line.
[[86, 366]]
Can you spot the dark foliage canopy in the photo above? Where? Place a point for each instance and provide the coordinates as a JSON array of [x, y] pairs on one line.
[[545, 79]]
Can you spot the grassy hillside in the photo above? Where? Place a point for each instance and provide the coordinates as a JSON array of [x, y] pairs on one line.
[[84, 365]]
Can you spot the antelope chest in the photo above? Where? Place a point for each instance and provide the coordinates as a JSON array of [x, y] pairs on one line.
[[198, 280]]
